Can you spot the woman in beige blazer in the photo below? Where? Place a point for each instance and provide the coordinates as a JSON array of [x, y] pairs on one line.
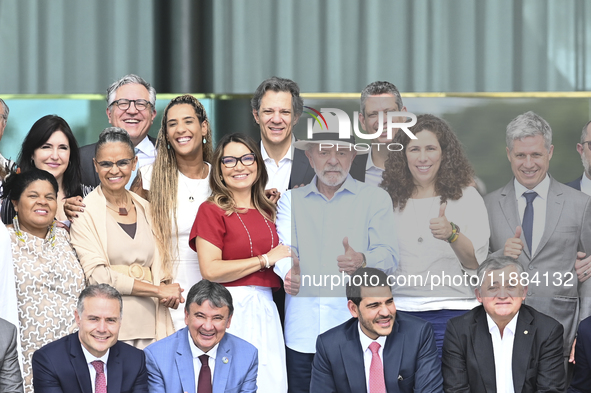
[[115, 245]]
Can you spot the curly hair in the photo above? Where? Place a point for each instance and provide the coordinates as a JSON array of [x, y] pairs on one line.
[[455, 172], [165, 177], [222, 195]]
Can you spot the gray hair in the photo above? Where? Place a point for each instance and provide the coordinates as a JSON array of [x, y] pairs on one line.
[[101, 290], [497, 263], [277, 84], [5, 110], [528, 124], [377, 88], [127, 79], [215, 293], [584, 132], [113, 135]]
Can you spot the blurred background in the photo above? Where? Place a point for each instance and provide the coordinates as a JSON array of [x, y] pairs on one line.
[[476, 63]]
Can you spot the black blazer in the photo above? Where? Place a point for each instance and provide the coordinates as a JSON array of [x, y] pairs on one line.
[[303, 173], [60, 366], [576, 184], [468, 357], [88, 176], [581, 381]]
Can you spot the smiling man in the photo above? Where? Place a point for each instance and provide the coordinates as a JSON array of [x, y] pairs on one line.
[[377, 350], [202, 357], [92, 359], [503, 345], [542, 224]]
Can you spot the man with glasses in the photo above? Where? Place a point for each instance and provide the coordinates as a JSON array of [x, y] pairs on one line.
[[583, 183], [130, 105]]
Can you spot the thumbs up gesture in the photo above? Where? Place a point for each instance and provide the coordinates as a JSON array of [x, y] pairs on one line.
[[514, 245], [292, 278], [440, 226], [351, 260]]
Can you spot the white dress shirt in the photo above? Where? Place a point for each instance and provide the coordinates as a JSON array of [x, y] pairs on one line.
[[91, 358], [146, 154], [279, 174], [586, 185], [539, 205], [196, 352], [367, 355], [503, 352], [373, 174]]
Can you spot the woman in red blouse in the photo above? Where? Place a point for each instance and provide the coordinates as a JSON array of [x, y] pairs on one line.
[[237, 245]]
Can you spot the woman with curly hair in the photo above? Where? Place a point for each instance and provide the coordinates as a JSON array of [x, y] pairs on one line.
[[184, 150], [444, 220]]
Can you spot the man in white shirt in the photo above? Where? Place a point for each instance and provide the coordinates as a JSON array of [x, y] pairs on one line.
[[503, 345], [202, 357], [378, 350], [92, 359], [277, 107]]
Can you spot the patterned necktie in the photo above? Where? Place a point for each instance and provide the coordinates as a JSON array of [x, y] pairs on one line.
[[377, 384], [100, 384], [528, 219], [204, 382]]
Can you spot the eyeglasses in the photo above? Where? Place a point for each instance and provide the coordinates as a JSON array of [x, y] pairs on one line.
[[121, 164], [124, 104], [246, 160]]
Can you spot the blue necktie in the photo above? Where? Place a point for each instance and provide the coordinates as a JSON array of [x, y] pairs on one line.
[[528, 218]]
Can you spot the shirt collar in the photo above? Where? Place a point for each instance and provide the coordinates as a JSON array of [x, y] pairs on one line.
[[146, 146], [511, 326], [370, 163], [288, 155], [366, 341], [351, 185], [91, 358], [196, 351], [585, 182], [542, 188]]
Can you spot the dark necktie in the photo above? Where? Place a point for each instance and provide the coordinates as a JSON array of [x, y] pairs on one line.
[[100, 383], [528, 219], [204, 382]]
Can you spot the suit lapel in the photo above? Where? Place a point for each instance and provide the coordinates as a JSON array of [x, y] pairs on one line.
[[79, 364], [522, 344], [483, 350], [554, 207], [114, 370], [352, 356], [509, 208], [392, 358], [184, 362], [223, 362]]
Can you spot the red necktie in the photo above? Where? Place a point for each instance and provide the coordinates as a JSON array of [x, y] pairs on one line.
[[376, 370], [204, 381], [100, 384]]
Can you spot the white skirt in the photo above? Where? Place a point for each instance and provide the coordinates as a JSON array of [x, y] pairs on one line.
[[256, 320]]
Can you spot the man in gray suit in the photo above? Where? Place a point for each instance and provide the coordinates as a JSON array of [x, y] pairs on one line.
[[11, 380], [542, 223]]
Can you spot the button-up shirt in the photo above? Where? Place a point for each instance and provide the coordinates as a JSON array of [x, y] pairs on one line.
[[586, 185], [315, 226], [367, 355], [503, 352], [279, 174], [373, 174], [196, 352], [539, 205], [146, 154], [91, 358]]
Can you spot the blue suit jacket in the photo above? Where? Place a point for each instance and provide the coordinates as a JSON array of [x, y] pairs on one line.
[[170, 365], [410, 359], [581, 381], [60, 367], [576, 184]]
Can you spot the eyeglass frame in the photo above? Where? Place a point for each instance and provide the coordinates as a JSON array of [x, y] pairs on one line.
[[120, 166], [116, 103], [239, 159]]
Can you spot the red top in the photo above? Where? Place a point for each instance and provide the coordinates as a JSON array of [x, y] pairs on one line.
[[229, 235]]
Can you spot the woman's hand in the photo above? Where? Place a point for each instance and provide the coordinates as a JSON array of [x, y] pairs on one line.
[[170, 295], [73, 206], [278, 253], [440, 227], [272, 195]]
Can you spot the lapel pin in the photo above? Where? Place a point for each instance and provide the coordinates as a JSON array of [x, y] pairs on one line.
[[225, 360], [400, 378], [525, 332]]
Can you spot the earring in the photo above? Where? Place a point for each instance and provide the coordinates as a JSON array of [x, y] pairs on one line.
[[168, 145], [204, 140], [221, 178], [17, 229]]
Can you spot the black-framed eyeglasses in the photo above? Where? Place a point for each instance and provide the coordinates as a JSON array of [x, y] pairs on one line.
[[588, 144], [246, 160], [121, 164], [124, 104]]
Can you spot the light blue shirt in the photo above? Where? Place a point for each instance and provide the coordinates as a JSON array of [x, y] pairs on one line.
[[314, 227]]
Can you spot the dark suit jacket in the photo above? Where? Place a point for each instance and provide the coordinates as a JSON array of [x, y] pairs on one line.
[[576, 184], [581, 382], [410, 359], [11, 380], [468, 357], [60, 367], [88, 176], [567, 230], [303, 173]]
